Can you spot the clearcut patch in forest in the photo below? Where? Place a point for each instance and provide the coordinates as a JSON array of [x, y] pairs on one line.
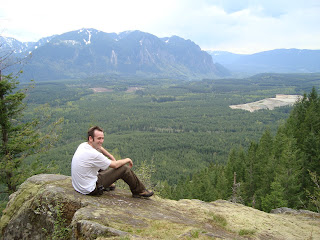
[[269, 103]]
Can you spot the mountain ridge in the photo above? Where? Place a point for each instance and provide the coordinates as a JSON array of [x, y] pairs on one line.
[[87, 52], [273, 61]]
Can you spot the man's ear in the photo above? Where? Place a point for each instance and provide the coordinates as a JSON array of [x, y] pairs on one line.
[[90, 139]]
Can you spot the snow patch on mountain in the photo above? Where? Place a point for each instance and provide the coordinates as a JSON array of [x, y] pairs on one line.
[[89, 38], [72, 42]]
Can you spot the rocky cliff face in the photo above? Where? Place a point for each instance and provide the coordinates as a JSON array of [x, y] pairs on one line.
[[47, 207]]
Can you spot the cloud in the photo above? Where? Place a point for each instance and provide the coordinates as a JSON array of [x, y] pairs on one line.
[[250, 26], [46, 18], [233, 25]]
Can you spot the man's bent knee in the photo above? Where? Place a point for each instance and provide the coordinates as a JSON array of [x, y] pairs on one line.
[[124, 168]]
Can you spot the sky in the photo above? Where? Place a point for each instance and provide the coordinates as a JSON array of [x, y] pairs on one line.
[[238, 26]]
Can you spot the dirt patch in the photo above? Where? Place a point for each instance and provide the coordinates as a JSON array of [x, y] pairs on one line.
[[133, 89], [269, 103], [96, 90]]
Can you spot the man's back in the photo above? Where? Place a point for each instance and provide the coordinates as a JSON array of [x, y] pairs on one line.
[[86, 163]]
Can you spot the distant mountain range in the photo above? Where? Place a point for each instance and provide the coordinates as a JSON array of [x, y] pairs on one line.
[[274, 61], [89, 52]]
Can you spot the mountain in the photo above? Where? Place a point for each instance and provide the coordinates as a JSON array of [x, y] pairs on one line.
[[17, 47], [276, 61], [89, 52]]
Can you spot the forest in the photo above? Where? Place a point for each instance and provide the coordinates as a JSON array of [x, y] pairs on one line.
[[280, 170], [186, 135]]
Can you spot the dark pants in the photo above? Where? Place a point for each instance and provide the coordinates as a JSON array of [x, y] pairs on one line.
[[109, 176]]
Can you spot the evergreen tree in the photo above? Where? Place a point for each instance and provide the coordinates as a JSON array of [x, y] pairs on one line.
[[263, 167], [199, 186], [221, 186], [288, 168], [231, 167], [18, 139], [315, 196], [275, 199], [235, 164], [249, 185], [164, 189], [182, 189], [304, 126]]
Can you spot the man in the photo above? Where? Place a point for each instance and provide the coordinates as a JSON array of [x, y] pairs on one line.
[[93, 168]]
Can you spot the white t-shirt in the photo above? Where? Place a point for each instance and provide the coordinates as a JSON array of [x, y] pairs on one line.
[[86, 163]]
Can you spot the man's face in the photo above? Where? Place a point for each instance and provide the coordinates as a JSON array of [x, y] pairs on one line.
[[97, 140]]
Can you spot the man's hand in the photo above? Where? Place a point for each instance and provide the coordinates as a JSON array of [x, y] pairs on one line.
[[130, 162]]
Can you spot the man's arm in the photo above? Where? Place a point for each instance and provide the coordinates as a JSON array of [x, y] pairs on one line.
[[107, 154], [119, 163]]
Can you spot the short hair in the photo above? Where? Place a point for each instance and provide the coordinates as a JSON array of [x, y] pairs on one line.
[[91, 131]]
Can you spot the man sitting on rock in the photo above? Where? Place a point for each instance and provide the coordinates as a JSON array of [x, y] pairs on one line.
[[94, 169]]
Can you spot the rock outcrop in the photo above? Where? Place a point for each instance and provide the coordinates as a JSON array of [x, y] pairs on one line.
[[47, 207]]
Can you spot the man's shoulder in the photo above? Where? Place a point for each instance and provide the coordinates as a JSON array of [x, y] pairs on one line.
[[84, 145]]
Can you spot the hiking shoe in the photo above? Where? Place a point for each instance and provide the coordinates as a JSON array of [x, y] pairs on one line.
[[145, 194], [100, 190]]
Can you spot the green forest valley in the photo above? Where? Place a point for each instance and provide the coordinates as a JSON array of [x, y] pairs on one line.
[[185, 140]]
